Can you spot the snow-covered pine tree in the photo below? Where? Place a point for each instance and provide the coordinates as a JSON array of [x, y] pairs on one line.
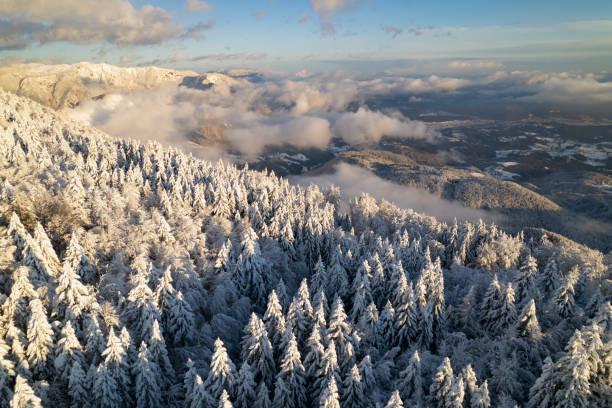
[[395, 401], [24, 396], [300, 313], [245, 387], [480, 398], [181, 320], [290, 391], [40, 337], [442, 384], [257, 350], [67, 352], [329, 395], [353, 390], [146, 373], [78, 389], [409, 381], [274, 320], [525, 280], [527, 326], [222, 374]]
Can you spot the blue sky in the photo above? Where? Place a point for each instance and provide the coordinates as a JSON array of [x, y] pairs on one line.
[[312, 34]]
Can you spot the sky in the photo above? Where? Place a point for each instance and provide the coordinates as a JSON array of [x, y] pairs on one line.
[[317, 35]]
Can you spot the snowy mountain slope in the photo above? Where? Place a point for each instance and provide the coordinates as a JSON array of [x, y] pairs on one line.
[[134, 275], [64, 86]]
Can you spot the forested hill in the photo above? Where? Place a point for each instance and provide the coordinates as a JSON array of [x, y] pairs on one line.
[[136, 275]]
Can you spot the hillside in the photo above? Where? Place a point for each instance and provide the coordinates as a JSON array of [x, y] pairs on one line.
[[137, 275]]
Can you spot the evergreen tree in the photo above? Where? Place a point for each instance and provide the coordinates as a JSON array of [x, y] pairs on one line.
[[245, 387], [189, 381], [263, 397], [40, 337], [528, 326], [409, 380], [181, 320], [222, 372], [257, 350], [145, 373], [76, 259], [313, 360], [71, 293], [441, 385], [573, 375], [480, 398], [352, 390], [199, 397], [525, 280], [67, 352], [224, 401], [105, 390], [289, 391], [274, 320], [550, 277], [329, 368], [77, 386], [300, 314], [541, 394], [24, 396], [116, 366], [159, 355], [338, 283], [319, 278], [454, 398], [329, 395], [386, 326], [395, 401], [469, 381], [340, 332], [564, 297], [6, 373], [140, 309]]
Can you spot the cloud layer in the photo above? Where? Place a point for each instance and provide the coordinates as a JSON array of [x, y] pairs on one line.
[[353, 180]]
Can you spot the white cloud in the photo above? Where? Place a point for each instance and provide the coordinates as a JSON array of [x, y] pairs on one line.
[[86, 22], [353, 180], [196, 5], [365, 126], [394, 31], [327, 8]]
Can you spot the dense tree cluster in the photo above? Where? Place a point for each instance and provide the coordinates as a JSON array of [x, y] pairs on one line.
[[137, 275]]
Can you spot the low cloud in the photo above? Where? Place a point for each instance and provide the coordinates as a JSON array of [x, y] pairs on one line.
[[365, 126], [353, 180]]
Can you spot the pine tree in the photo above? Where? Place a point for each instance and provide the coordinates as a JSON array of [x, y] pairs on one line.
[[319, 278], [24, 396], [480, 398], [116, 366], [574, 375], [340, 332], [352, 390], [337, 284], [257, 350], [77, 386], [189, 381], [274, 320], [199, 397], [159, 355], [528, 326], [507, 311], [441, 385], [564, 297], [469, 380], [409, 380], [95, 344], [289, 391], [550, 277], [491, 307], [245, 387], [299, 315], [395, 401], [181, 320], [541, 394], [222, 372], [40, 337], [6, 373], [71, 293], [329, 395], [386, 326], [525, 281], [329, 368], [140, 309], [145, 373], [454, 398], [105, 389], [67, 352], [76, 259], [313, 360], [22, 292], [263, 397], [224, 401]]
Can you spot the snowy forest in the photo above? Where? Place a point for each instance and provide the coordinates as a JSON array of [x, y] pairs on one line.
[[135, 275]]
